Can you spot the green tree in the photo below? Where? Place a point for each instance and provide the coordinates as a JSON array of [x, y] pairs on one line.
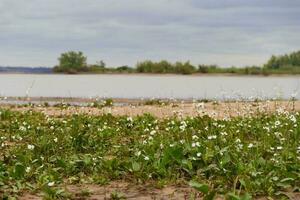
[[72, 62], [284, 61], [272, 63], [101, 64], [184, 68]]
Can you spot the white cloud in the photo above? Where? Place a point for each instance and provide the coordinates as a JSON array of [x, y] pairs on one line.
[[227, 32]]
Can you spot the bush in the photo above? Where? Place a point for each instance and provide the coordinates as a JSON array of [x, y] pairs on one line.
[[71, 62], [165, 67]]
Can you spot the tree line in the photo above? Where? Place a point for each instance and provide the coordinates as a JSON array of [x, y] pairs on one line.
[[75, 62]]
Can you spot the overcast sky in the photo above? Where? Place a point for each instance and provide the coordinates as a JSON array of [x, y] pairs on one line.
[[122, 32]]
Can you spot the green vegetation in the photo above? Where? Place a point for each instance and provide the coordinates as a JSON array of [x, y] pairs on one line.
[[75, 62], [153, 101], [284, 61], [71, 62], [102, 103], [165, 67], [288, 63], [243, 156], [214, 69]]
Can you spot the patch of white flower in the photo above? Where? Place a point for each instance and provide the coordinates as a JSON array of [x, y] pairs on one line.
[[195, 137], [195, 144], [146, 158], [250, 146], [182, 126], [51, 184], [212, 137], [153, 132]]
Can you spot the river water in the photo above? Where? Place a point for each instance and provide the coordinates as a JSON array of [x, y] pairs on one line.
[[149, 86]]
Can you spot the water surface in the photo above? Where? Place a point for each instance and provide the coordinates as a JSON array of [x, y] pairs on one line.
[[149, 86]]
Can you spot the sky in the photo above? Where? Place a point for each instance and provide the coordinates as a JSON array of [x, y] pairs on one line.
[[123, 32]]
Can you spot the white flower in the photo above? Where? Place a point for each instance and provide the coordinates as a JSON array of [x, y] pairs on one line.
[[195, 144], [224, 133], [277, 123], [152, 132], [199, 154], [22, 128], [50, 184], [240, 146], [238, 140], [138, 153], [250, 145], [210, 137], [28, 169], [183, 125], [55, 139], [30, 147], [279, 148], [146, 158], [161, 146], [293, 119], [195, 137]]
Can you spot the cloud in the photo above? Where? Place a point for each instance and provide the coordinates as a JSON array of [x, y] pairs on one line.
[[225, 32]]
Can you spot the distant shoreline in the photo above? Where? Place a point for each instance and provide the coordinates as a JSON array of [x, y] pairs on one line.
[[161, 74]]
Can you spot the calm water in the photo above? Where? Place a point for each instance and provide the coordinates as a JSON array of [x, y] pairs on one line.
[[143, 86]]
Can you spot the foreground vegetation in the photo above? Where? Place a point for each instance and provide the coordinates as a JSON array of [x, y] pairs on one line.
[[76, 62], [239, 157]]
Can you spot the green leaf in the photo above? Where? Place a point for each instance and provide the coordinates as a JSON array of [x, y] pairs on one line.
[[136, 166], [246, 196], [187, 164], [287, 179], [19, 170], [243, 183], [232, 196], [210, 196], [200, 187], [226, 159]]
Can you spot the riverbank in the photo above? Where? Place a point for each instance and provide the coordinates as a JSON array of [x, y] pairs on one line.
[[161, 74], [160, 109]]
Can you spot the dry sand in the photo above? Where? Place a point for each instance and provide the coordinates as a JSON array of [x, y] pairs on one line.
[[213, 109]]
